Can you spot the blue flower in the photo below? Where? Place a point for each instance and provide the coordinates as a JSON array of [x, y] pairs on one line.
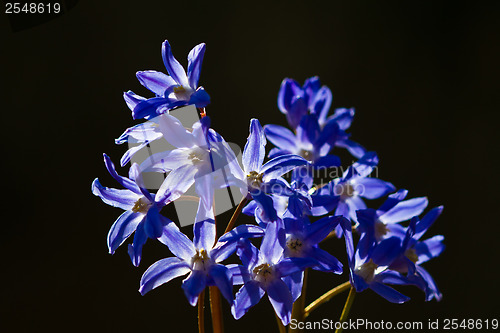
[[353, 186], [414, 252], [198, 156], [376, 225], [308, 141], [262, 271], [142, 210], [302, 239], [260, 179], [296, 101], [178, 89], [200, 258], [372, 272], [312, 98]]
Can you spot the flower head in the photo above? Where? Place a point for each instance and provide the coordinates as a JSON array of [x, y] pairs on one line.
[[178, 89]]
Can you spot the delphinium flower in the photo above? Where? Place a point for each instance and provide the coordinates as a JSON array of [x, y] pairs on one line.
[[142, 210], [201, 258], [178, 89], [262, 179], [414, 252], [262, 272], [375, 225]]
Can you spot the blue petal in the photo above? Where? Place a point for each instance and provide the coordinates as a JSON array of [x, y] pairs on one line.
[[240, 274], [266, 206], [294, 283], [177, 242], [281, 299], [162, 272], [308, 130], [176, 184], [248, 253], [255, 147], [281, 137], [288, 90], [343, 117], [393, 199], [352, 147], [136, 175], [242, 231], [123, 227], [124, 199], [155, 81], [328, 135], [193, 285], [386, 251], [204, 234], [135, 249], [288, 266], [364, 166], [173, 67], [427, 221], [298, 109], [318, 230], [248, 296], [195, 58], [430, 248], [322, 103], [391, 277], [149, 108], [125, 182], [373, 188], [404, 210], [200, 98], [132, 99], [154, 222], [223, 250], [389, 293], [273, 242], [280, 165], [223, 280], [431, 290], [327, 262], [327, 161]]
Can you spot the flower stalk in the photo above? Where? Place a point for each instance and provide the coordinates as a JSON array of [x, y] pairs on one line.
[[326, 297], [347, 308]]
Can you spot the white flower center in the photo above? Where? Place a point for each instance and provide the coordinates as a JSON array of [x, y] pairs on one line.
[[264, 274], [366, 271], [254, 179], [295, 247], [345, 191], [201, 261], [141, 206]]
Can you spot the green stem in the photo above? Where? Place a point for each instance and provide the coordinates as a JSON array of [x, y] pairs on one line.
[[326, 297], [201, 312], [298, 307], [216, 308], [347, 308], [230, 224]]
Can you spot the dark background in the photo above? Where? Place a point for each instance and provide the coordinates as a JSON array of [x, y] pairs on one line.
[[422, 77]]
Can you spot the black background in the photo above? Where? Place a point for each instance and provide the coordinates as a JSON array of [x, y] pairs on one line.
[[422, 77]]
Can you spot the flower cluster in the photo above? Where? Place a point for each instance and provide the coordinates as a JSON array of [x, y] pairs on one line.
[[293, 211]]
